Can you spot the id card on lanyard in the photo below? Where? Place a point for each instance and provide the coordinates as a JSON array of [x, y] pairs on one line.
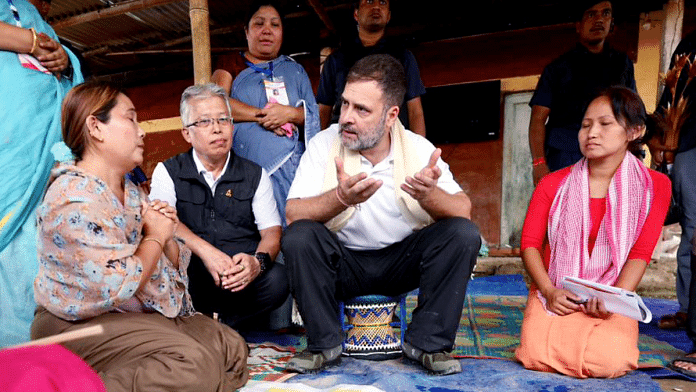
[[27, 60], [275, 90], [274, 85], [276, 93]]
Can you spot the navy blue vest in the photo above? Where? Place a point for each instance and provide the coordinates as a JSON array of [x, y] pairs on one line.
[[226, 219]]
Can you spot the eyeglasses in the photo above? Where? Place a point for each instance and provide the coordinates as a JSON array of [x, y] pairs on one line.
[[207, 122]]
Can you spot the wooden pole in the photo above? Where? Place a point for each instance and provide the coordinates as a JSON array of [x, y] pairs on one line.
[[200, 34], [65, 336], [671, 34]]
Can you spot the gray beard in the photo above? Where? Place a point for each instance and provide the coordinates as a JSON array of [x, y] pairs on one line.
[[368, 141]]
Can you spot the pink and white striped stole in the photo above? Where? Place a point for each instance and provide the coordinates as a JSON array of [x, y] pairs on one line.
[[628, 202]]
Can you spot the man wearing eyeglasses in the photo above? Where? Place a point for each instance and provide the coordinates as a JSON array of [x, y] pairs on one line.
[[229, 218], [567, 85]]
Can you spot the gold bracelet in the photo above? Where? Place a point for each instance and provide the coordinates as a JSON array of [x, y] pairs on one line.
[[33, 42], [155, 240]]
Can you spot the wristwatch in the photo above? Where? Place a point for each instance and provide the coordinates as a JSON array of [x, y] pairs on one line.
[[264, 260]]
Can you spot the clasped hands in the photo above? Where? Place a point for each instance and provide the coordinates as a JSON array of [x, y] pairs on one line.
[[275, 115], [231, 273], [353, 190], [563, 302], [51, 54], [159, 220]]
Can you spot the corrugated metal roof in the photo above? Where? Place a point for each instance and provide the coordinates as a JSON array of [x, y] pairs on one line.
[[163, 29]]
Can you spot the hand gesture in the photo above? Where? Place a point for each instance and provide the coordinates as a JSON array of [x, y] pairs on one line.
[[274, 115], [355, 189], [421, 185], [595, 308], [244, 270], [52, 56], [561, 302], [159, 220]]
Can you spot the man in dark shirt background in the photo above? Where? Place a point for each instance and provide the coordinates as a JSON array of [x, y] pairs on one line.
[[372, 17], [683, 176], [567, 85]]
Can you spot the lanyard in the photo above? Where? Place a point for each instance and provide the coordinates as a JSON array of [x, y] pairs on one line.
[[268, 72], [15, 13]]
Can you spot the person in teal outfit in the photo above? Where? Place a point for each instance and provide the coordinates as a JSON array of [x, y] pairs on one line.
[[35, 74]]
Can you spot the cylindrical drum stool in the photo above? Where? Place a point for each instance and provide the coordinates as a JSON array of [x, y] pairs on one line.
[[369, 330]]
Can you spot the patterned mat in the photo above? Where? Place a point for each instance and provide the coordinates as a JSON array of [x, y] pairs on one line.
[[490, 328], [267, 362]]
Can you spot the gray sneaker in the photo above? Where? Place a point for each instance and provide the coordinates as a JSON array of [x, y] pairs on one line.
[[439, 363], [309, 362]]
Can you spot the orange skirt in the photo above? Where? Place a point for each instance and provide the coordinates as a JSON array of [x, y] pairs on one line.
[[577, 345]]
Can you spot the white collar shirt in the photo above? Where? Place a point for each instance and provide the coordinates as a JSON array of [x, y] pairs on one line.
[[208, 175], [378, 222]]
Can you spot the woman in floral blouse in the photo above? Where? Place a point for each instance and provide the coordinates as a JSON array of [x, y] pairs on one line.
[[109, 257]]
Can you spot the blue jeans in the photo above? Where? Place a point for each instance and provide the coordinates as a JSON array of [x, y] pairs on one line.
[[684, 191]]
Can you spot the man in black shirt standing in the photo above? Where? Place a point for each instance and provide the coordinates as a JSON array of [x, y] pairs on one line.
[[567, 85], [372, 17]]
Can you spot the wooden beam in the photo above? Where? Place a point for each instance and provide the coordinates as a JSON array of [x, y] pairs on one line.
[[219, 31], [200, 33], [172, 51], [119, 9], [506, 54], [182, 40], [101, 50], [323, 15]]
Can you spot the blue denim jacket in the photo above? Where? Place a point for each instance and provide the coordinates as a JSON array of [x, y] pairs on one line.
[[256, 143]]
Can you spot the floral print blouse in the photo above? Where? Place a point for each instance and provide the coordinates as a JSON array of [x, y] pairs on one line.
[[87, 241]]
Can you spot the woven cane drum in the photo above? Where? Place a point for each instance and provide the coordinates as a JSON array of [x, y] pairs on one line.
[[372, 336]]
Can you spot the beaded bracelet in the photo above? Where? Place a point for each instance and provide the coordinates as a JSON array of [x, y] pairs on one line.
[[155, 240]]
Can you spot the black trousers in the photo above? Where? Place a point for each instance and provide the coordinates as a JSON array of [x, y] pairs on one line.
[[438, 260], [264, 294]]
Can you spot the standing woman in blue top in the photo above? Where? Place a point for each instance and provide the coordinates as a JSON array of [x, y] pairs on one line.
[[35, 74], [273, 103]]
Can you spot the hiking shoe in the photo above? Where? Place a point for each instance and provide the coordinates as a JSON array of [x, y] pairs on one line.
[[309, 362], [439, 363]]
